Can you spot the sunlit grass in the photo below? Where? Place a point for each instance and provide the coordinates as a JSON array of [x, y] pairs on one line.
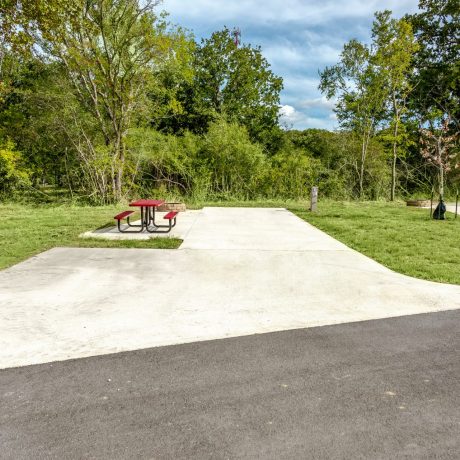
[[27, 230], [402, 238]]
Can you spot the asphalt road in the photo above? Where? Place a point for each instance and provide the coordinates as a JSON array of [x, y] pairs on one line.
[[375, 390]]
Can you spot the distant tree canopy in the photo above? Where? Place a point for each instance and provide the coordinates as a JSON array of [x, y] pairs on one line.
[[107, 99], [437, 61], [406, 78], [226, 79]]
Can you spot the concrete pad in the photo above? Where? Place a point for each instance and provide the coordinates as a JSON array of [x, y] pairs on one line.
[[185, 221], [257, 229], [76, 302]]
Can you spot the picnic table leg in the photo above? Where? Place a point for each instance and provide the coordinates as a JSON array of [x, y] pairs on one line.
[[155, 227], [159, 225], [141, 227]]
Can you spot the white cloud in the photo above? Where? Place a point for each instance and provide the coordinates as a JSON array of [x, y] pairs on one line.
[[290, 117], [298, 38], [310, 12], [287, 112], [318, 102], [284, 54]]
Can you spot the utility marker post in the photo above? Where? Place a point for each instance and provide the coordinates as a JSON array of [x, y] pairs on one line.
[[314, 199]]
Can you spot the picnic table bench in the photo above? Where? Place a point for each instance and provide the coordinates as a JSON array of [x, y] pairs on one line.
[[148, 223]]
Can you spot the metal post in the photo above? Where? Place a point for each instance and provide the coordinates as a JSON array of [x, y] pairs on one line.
[[456, 204], [431, 203], [314, 199]]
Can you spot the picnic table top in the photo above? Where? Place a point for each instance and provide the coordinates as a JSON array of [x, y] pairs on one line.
[[147, 203]]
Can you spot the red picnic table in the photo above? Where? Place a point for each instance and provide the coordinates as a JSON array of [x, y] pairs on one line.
[[148, 223]]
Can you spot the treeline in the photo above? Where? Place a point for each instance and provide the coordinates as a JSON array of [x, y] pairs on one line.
[[107, 99]]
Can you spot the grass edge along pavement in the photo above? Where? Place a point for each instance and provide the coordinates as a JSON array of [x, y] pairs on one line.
[[401, 238], [26, 230]]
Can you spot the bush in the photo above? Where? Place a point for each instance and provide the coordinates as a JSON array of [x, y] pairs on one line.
[[292, 174], [235, 164], [163, 161], [13, 175]]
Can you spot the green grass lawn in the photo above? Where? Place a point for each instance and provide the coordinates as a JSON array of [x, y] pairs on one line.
[[28, 230], [402, 238]]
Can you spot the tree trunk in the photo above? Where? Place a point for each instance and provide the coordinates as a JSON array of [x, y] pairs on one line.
[[441, 171], [395, 151], [119, 159], [361, 169], [393, 166], [441, 182], [365, 144]]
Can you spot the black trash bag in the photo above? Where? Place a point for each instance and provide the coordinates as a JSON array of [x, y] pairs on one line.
[[440, 211]]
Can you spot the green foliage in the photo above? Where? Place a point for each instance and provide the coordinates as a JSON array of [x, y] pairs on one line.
[[168, 107], [38, 113], [403, 239], [24, 22], [222, 163], [164, 161], [437, 82], [108, 100], [292, 174], [12, 172], [235, 81], [235, 163], [60, 226]]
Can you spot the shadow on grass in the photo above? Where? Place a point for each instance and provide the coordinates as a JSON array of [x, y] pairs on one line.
[[151, 243], [104, 226]]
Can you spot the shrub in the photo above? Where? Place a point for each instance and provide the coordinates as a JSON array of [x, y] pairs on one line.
[[12, 172], [235, 164]]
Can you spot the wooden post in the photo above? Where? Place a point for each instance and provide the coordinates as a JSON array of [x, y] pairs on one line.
[[314, 199], [456, 204], [431, 203]]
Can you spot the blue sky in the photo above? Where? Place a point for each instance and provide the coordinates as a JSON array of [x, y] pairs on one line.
[[298, 37]]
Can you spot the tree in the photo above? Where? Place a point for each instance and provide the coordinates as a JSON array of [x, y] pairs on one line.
[[395, 46], [361, 93], [437, 148], [437, 29], [109, 49], [13, 173], [169, 107], [33, 115], [233, 81]]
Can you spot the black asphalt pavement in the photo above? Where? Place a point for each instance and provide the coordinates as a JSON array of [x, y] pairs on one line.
[[381, 389]]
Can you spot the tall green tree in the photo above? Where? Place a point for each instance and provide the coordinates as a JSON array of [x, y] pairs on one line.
[[235, 81], [109, 49], [32, 114], [437, 29], [358, 86], [395, 46]]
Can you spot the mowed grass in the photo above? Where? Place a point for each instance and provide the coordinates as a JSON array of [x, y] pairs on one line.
[[402, 238], [28, 230]]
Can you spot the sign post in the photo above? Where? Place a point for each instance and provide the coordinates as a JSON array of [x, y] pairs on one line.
[[314, 199]]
